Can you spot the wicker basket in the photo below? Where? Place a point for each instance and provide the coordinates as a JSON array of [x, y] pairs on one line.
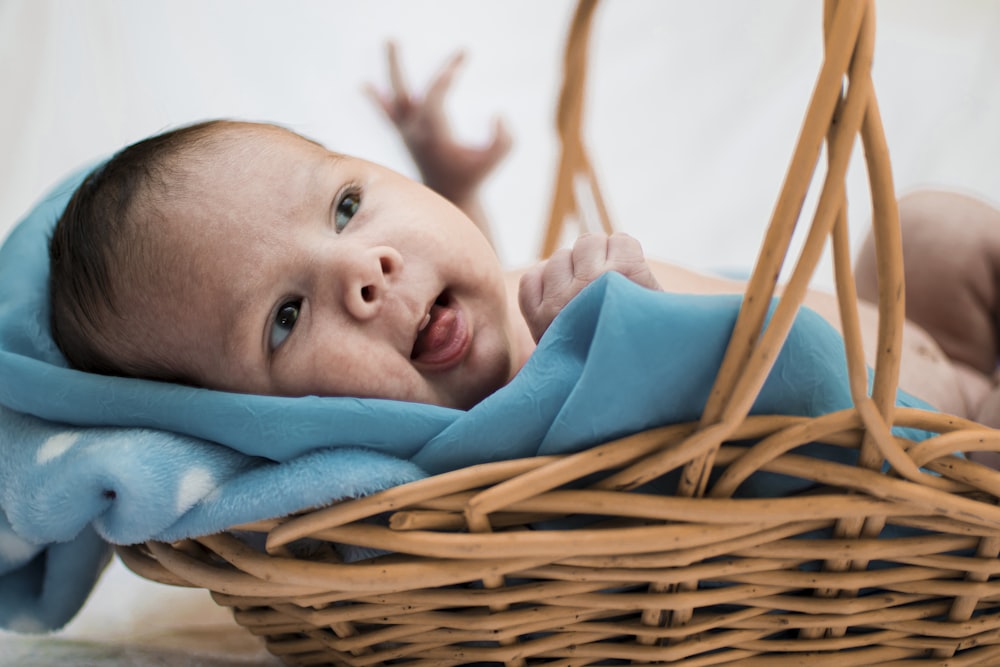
[[868, 567]]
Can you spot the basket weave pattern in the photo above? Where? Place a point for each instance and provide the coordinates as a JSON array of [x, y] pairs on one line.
[[869, 566]]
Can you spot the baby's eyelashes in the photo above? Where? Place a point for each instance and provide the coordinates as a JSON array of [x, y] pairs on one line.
[[346, 207], [284, 322]]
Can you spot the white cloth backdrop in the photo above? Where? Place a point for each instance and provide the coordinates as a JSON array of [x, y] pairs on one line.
[[692, 112]]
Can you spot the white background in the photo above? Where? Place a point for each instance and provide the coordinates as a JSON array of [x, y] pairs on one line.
[[692, 112]]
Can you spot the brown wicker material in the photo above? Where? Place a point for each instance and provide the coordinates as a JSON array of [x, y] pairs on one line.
[[868, 567], [575, 169]]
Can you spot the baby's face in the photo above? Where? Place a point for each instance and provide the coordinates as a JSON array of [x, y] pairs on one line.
[[295, 271]]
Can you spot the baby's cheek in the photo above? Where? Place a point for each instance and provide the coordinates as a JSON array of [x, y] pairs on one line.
[[322, 371]]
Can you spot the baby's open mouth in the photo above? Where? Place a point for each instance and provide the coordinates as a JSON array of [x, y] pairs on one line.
[[443, 336]]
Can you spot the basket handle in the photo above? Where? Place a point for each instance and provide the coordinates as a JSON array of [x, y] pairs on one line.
[[575, 176], [836, 115], [842, 106]]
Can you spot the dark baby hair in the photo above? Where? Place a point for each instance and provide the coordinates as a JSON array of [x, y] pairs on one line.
[[99, 246]]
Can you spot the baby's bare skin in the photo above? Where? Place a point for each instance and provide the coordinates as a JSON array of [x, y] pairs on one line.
[[951, 246], [951, 250], [926, 371]]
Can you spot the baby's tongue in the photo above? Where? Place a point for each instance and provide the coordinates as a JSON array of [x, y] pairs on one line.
[[433, 342]]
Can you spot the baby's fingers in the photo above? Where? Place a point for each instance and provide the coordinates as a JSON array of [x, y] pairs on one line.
[[589, 257], [626, 257], [442, 81], [382, 101], [396, 80], [545, 289], [529, 298], [397, 105], [501, 142]]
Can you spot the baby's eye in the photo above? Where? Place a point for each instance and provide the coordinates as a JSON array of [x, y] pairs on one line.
[[346, 208], [284, 322]]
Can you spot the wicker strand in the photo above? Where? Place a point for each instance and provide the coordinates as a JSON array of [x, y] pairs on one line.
[[863, 567], [752, 348], [747, 360], [575, 171], [847, 298]]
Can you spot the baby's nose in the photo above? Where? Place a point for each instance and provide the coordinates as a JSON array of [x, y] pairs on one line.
[[371, 276]]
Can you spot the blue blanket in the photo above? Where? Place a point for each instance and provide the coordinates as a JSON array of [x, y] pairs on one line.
[[88, 460]]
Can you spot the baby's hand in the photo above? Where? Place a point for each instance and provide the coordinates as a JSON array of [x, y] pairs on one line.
[[548, 286], [452, 169]]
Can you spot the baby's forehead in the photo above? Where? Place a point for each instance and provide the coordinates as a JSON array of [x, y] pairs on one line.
[[229, 201], [246, 151], [249, 174], [242, 134]]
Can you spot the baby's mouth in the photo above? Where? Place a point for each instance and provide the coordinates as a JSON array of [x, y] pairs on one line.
[[443, 335]]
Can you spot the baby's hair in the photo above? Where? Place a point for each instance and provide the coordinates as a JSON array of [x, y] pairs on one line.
[[99, 247]]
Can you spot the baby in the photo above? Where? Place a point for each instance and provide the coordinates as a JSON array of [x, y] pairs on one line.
[[244, 257]]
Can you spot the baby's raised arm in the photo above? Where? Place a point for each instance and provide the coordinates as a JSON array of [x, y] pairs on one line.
[[453, 169], [548, 286]]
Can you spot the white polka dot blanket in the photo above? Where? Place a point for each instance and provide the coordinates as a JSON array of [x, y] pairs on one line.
[[87, 460]]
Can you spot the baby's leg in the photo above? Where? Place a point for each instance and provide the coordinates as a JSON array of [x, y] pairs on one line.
[[951, 254]]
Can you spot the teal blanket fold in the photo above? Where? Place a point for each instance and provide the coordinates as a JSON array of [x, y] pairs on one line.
[[88, 460]]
